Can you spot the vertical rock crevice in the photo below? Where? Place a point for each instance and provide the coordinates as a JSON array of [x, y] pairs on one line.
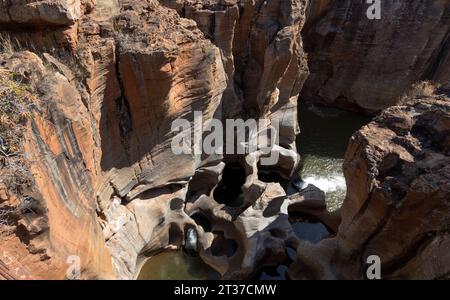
[[122, 106]]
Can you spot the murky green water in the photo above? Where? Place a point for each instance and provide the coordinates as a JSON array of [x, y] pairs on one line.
[[175, 265], [324, 137]]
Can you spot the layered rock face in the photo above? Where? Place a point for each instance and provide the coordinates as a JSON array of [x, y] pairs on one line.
[[106, 81], [99, 139], [46, 24], [263, 55], [366, 65], [103, 139], [397, 206]]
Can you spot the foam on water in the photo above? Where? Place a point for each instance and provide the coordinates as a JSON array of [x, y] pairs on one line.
[[324, 137], [328, 184]]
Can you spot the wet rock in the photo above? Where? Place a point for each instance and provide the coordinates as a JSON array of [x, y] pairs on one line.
[[309, 197], [297, 184]]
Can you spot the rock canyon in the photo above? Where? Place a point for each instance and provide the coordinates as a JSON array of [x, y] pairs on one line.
[[89, 91]]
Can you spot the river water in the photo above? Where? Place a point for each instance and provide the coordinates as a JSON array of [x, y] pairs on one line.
[[322, 143], [324, 137]]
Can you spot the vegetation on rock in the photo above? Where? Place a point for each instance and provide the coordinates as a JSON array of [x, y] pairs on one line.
[[16, 180]]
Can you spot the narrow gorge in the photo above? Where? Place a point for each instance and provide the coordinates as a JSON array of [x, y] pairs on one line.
[[90, 91]]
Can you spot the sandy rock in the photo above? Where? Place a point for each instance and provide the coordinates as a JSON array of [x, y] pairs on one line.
[[26, 65], [46, 12]]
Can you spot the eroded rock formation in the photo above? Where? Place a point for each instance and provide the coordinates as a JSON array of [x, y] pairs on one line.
[[104, 80], [99, 139], [263, 55], [397, 205], [366, 65]]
